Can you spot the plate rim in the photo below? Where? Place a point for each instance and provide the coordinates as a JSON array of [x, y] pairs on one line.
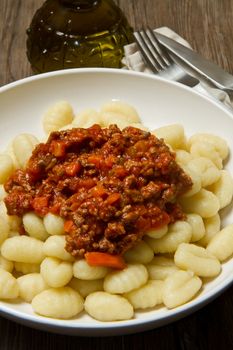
[[118, 327], [116, 71]]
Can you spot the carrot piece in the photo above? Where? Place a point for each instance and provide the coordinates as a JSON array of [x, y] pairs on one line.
[[113, 198], [58, 148], [105, 259], [98, 191], [72, 169], [68, 226], [86, 183]]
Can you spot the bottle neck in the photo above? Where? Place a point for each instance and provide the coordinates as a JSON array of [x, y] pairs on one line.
[[80, 5]]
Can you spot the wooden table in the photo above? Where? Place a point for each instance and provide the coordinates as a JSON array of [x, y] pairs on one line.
[[207, 25]]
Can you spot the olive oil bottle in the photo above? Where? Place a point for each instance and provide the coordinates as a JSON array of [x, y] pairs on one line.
[[77, 33]]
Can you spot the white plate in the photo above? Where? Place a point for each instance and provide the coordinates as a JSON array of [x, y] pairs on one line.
[[158, 102]]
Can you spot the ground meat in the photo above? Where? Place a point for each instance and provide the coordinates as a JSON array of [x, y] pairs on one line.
[[110, 186]]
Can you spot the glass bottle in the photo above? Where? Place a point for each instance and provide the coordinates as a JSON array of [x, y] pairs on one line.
[[77, 33]]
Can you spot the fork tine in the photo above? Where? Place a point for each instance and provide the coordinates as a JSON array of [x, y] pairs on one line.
[[156, 57], [155, 40], [145, 51], [156, 50], [153, 50]]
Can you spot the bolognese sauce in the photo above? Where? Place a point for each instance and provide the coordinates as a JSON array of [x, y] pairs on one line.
[[110, 186]]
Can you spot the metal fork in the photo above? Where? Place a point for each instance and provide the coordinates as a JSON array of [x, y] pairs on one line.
[[159, 61]]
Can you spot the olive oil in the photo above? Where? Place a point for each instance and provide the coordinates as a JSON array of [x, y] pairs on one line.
[[77, 33]]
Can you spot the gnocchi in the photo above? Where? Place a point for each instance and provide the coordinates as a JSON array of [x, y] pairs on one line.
[[57, 116], [161, 267], [54, 224], [34, 226], [23, 146], [183, 157], [197, 259], [207, 150], [54, 246], [141, 253], [121, 108], [56, 273], [198, 227], [83, 271], [87, 118], [158, 233], [6, 264], [212, 226], [172, 135], [221, 245], [223, 188], [196, 180], [61, 303], [108, 307], [218, 142], [4, 230], [23, 249], [8, 285], [30, 285], [132, 277], [147, 296], [108, 118], [6, 167], [178, 232], [180, 287], [203, 203], [208, 171]]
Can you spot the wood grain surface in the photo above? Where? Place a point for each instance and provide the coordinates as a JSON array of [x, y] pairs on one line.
[[207, 25]]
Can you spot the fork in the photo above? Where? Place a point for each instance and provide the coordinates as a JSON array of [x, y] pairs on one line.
[[159, 61]]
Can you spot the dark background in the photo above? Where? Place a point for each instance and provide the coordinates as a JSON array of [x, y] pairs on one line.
[[208, 26]]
